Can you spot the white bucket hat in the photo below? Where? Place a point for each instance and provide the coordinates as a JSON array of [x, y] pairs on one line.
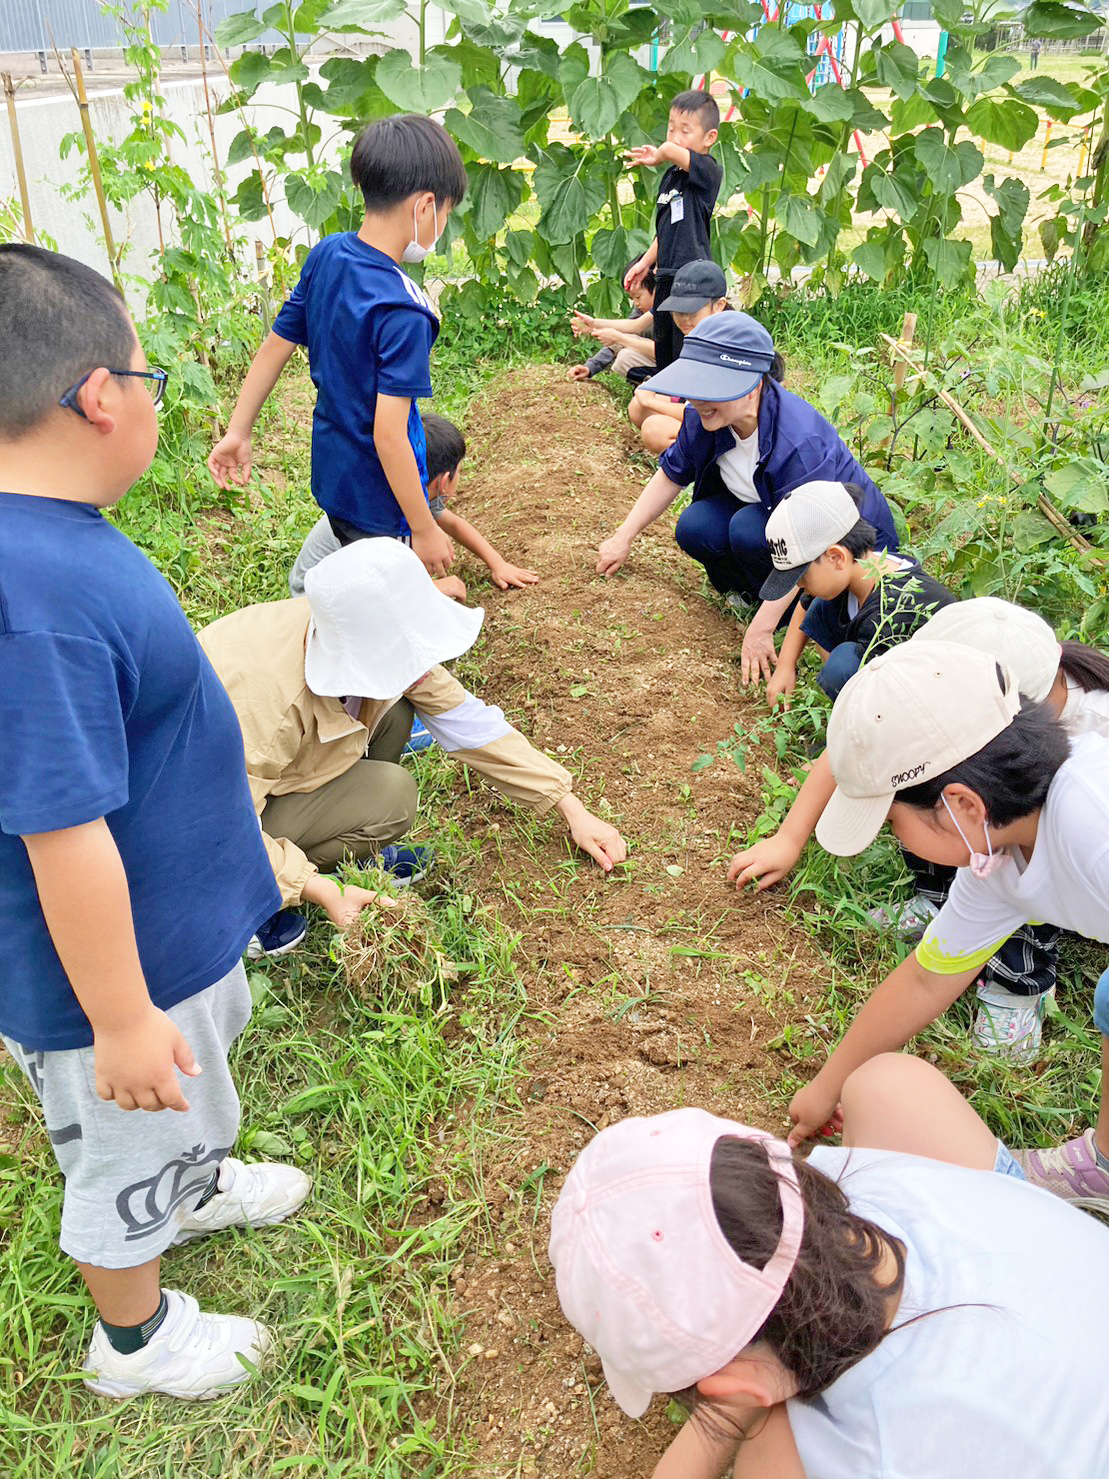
[[908, 715], [378, 623], [1016, 637]]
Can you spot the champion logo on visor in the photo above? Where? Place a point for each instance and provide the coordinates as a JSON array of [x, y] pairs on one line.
[[705, 352]]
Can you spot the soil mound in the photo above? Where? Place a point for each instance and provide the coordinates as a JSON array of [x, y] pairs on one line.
[[651, 989]]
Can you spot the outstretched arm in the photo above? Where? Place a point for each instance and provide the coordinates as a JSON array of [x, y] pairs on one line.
[[772, 858], [655, 499], [230, 459], [504, 573]]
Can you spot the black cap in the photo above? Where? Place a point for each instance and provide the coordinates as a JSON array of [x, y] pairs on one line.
[[694, 285]]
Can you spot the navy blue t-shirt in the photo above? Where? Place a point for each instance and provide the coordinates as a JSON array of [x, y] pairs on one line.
[[368, 328], [109, 708]]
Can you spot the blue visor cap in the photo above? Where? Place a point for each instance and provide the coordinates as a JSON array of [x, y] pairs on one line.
[[723, 359]]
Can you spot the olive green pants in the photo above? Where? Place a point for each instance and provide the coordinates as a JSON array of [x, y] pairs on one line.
[[372, 803]]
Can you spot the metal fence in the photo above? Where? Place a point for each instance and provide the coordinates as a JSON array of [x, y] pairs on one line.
[[40, 25]]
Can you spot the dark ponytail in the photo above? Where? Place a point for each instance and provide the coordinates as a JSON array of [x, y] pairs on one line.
[[832, 1311], [1086, 666]]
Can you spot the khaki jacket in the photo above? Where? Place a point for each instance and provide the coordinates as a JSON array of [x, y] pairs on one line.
[[296, 741]]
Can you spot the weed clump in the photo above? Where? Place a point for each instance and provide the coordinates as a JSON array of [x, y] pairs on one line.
[[395, 951]]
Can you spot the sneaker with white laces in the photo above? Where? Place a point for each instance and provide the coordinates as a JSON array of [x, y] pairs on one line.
[[1009, 1025], [909, 920], [256, 1195], [192, 1355], [1071, 1171]]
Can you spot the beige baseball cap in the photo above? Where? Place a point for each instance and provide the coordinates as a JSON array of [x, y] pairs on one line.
[[906, 716], [1017, 638]]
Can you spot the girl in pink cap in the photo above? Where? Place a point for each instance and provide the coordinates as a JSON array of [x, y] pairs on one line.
[[870, 1313]]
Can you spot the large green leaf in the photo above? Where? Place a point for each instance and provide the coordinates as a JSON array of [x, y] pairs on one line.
[[249, 71], [701, 53], [597, 103], [238, 29], [881, 253], [971, 81], [315, 198], [610, 252], [1058, 21], [568, 192], [771, 66], [893, 192], [1056, 99], [873, 14], [351, 90], [949, 167], [897, 67], [417, 89], [249, 200], [1007, 227], [1005, 122], [491, 129], [948, 259], [800, 216], [494, 194], [361, 15], [909, 114], [831, 104], [470, 12], [1080, 485]]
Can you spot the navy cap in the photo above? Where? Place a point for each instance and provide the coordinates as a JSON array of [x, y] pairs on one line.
[[694, 285], [722, 359]]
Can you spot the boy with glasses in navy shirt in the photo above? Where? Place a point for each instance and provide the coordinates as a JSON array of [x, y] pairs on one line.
[[132, 870], [369, 330]]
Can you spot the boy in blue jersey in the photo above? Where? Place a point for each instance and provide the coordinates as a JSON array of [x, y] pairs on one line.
[[132, 870], [369, 330]]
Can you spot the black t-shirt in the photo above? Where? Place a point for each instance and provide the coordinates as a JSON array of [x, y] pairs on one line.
[[684, 210], [899, 603]]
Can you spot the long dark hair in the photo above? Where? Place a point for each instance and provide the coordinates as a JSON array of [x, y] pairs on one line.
[[832, 1312], [1011, 775], [1088, 667]]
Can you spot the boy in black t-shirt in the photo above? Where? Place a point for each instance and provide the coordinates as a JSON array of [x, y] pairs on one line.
[[861, 600], [686, 196]]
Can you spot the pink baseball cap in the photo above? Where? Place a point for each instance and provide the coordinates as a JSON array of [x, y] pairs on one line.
[[644, 1272]]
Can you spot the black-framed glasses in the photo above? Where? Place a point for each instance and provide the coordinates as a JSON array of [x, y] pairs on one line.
[[157, 377]]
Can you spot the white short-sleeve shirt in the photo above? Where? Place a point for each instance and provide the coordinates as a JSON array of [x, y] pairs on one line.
[[1085, 713], [1065, 882], [737, 467], [1004, 1378]]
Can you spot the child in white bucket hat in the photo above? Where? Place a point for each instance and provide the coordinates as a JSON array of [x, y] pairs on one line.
[[935, 737], [784, 1301], [325, 688]]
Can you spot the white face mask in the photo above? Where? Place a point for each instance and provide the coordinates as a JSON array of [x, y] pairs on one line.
[[982, 864], [414, 252]]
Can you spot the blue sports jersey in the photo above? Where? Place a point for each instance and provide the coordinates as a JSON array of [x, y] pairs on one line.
[[109, 708], [369, 329]]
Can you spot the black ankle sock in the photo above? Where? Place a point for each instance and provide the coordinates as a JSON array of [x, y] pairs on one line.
[[209, 1192], [127, 1339]]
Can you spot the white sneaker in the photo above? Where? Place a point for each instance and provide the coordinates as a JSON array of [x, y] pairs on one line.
[[1009, 1025], [192, 1355], [254, 1196], [909, 920]]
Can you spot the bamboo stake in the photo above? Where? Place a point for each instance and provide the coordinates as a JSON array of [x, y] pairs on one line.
[[900, 369], [261, 271], [17, 150], [1045, 505], [221, 188], [94, 165]]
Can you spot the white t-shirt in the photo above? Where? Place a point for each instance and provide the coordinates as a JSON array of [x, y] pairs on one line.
[[737, 467], [1013, 1388], [1085, 713], [1066, 881]]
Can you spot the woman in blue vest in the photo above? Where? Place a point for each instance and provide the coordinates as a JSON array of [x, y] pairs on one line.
[[745, 443]]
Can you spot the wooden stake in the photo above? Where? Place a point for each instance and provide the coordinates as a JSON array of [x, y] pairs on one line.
[[17, 150], [1045, 505], [901, 369], [94, 165], [262, 272], [1047, 146]]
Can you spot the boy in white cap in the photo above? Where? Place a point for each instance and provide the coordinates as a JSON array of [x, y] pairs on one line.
[[325, 688], [935, 738], [857, 600]]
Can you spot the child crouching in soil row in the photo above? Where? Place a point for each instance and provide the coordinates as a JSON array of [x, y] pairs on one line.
[[1073, 680], [885, 1308], [935, 738]]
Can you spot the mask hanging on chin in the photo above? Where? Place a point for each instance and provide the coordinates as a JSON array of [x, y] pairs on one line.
[[414, 252], [982, 864]]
